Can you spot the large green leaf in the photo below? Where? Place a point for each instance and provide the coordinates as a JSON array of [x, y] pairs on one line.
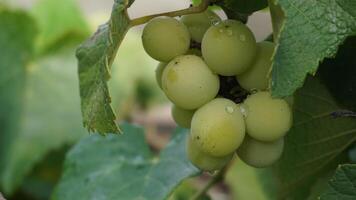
[[343, 185], [17, 42], [123, 168], [352, 154], [95, 57], [245, 6], [338, 74], [314, 141], [58, 22], [312, 31], [50, 116]]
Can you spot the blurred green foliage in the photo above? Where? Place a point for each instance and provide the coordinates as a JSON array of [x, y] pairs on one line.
[[40, 116], [40, 113]]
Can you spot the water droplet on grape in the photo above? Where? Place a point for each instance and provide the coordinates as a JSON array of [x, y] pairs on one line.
[[242, 37], [254, 90], [229, 32], [215, 22], [229, 109], [243, 110], [221, 30]]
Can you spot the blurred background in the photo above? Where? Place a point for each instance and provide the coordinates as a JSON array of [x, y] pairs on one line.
[[31, 156]]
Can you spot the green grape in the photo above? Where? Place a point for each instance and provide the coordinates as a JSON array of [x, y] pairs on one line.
[[164, 38], [218, 127], [260, 154], [188, 82], [159, 72], [229, 47], [197, 24], [181, 116], [204, 161], [256, 77], [267, 119]]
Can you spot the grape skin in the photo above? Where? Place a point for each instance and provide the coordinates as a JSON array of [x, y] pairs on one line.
[[204, 161], [267, 119], [162, 65], [159, 72], [260, 154], [181, 116], [218, 127], [164, 38], [229, 48], [199, 23], [256, 77], [188, 82]]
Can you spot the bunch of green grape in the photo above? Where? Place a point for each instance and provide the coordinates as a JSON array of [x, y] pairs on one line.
[[197, 54]]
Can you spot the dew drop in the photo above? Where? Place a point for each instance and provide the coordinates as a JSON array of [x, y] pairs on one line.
[[254, 90], [243, 110], [215, 22], [242, 37], [229, 109]]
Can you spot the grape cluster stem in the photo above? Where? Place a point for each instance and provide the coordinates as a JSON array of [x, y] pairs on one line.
[[214, 180]]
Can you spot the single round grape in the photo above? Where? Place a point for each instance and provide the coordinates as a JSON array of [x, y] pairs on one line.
[[181, 116], [260, 154], [218, 127], [197, 24], [267, 119], [159, 71], [229, 48], [256, 76], [188, 82], [204, 161], [164, 38]]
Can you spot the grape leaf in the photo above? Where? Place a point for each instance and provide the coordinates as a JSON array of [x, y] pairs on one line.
[[95, 57], [338, 74], [343, 185], [314, 141], [49, 118], [312, 31], [352, 154], [55, 26], [320, 184], [124, 168], [17, 41], [244, 6]]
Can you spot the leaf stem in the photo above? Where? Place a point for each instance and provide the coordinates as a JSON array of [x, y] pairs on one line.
[[191, 10], [215, 179]]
